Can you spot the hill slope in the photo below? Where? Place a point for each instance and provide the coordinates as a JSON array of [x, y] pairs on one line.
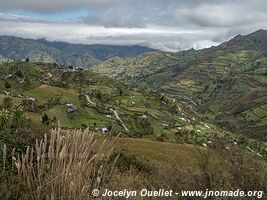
[[78, 55], [79, 98], [228, 83], [101, 102]]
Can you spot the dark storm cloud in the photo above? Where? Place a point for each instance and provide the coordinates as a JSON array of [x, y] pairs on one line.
[[164, 24], [51, 6]]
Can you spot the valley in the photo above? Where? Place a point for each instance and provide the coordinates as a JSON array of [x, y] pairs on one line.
[[79, 98], [138, 100], [172, 114], [227, 84]]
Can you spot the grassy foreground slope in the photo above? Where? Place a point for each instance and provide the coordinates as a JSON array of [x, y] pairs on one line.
[[226, 83], [78, 166], [180, 155]]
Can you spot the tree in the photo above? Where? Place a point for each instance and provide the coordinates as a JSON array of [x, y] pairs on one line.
[[7, 103], [18, 119], [4, 119], [7, 85], [12, 117], [19, 73], [25, 103], [45, 119]]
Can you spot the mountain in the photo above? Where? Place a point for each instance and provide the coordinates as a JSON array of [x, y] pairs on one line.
[[78, 55], [227, 83]]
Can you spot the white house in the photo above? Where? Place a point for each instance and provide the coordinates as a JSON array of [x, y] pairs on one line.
[[104, 130], [71, 108]]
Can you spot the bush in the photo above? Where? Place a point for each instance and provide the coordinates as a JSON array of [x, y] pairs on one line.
[[127, 161], [7, 85]]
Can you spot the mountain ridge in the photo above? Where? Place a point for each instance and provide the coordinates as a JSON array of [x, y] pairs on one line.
[[78, 55]]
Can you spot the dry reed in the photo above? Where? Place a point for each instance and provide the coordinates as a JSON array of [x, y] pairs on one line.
[[65, 166]]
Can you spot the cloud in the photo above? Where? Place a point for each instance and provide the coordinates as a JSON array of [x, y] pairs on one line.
[[222, 15], [169, 25], [167, 39], [51, 6]]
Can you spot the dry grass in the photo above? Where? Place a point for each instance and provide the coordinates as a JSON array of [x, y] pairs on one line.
[[180, 155], [69, 164], [65, 166]]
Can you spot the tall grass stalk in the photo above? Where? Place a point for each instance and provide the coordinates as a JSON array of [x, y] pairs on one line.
[[66, 166]]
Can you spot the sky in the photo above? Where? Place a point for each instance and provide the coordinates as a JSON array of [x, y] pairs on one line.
[[167, 25]]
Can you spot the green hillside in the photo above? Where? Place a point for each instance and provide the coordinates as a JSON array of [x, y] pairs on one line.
[[144, 113], [155, 138], [227, 83], [78, 98]]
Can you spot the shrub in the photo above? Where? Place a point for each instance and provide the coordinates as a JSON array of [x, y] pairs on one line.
[[45, 119], [7, 85], [127, 161]]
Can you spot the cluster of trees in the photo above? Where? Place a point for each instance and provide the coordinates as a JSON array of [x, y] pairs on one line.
[[31, 105], [15, 129], [140, 126], [11, 116], [47, 121], [7, 84], [101, 96]]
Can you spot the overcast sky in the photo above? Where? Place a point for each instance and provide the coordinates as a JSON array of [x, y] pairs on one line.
[[169, 25]]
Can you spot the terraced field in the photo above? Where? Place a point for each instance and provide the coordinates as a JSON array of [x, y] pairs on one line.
[[227, 84], [139, 113]]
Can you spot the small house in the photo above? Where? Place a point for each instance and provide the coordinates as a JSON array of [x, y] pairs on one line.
[[71, 108], [8, 76], [32, 99], [7, 93], [258, 62], [104, 130], [144, 116], [32, 104]]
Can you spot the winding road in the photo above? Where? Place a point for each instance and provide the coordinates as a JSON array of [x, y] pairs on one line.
[[116, 114], [89, 100], [118, 118]]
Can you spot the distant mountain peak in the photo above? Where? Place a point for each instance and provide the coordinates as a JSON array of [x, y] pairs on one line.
[[259, 31], [252, 41]]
